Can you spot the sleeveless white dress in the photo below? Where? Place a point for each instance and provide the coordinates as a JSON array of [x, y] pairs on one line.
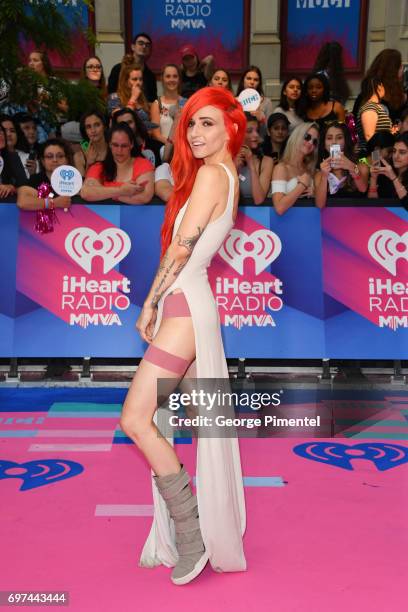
[[220, 492]]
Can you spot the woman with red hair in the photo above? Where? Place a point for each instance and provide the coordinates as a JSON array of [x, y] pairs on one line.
[[179, 320]]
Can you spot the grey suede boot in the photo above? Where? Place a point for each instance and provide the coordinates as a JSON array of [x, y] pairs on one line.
[[182, 506]]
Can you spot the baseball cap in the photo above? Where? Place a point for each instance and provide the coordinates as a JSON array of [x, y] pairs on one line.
[[277, 117], [187, 50]]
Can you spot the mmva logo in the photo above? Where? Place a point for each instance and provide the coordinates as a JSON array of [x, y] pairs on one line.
[[263, 246], [386, 247], [66, 175], [83, 244]]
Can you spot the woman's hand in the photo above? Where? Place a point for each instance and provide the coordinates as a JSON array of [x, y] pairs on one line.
[[305, 178], [259, 114], [385, 169], [325, 166], [306, 181], [31, 166], [91, 154], [246, 154], [136, 91], [341, 162], [7, 190], [131, 188], [61, 202], [146, 321]]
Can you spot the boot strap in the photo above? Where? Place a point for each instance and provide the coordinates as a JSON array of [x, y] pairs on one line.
[[170, 486], [190, 547], [180, 510], [187, 526]]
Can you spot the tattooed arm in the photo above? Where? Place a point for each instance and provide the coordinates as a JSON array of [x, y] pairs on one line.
[[207, 201]]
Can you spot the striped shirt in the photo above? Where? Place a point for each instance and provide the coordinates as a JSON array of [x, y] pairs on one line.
[[383, 123]]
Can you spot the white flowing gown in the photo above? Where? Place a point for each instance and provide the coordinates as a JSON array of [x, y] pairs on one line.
[[220, 492]]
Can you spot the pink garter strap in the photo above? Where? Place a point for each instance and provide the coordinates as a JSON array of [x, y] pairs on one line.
[[164, 359], [175, 305]]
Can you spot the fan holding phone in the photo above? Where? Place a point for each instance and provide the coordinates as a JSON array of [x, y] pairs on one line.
[[340, 174], [389, 178]]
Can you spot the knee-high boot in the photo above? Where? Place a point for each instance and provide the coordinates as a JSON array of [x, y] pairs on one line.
[[183, 509]]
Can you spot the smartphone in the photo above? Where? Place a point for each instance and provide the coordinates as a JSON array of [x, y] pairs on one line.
[[182, 103], [32, 155], [375, 157], [335, 151]]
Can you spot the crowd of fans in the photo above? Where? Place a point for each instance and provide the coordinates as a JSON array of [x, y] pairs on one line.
[[308, 146]]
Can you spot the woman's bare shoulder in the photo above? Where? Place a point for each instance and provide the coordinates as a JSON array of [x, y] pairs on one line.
[[281, 171]]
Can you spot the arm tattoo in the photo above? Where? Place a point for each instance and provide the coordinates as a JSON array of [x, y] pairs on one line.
[[158, 292], [166, 266], [189, 242]]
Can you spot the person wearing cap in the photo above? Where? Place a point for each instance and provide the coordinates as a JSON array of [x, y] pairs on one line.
[[142, 49], [278, 132], [194, 74]]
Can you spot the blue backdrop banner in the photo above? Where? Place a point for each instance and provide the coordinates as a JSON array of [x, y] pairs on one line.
[[308, 284]]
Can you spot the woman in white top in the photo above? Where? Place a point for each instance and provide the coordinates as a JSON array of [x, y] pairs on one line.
[[289, 101], [293, 177], [163, 109]]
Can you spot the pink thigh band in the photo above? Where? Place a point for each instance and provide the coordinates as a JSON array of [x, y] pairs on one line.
[[176, 305], [166, 360]]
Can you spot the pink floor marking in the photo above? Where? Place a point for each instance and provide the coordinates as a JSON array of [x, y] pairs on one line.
[[328, 540]]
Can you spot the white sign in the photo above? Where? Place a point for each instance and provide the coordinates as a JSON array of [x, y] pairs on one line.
[[250, 99], [66, 181]]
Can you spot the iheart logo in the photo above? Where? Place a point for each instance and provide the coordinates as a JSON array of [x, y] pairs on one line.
[[66, 175], [263, 246], [39, 472], [386, 247], [83, 244], [383, 455]]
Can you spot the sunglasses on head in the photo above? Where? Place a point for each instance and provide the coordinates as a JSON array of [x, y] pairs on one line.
[[308, 137]]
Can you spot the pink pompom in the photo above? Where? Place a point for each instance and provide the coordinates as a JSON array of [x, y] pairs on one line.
[[45, 220], [43, 190], [46, 217]]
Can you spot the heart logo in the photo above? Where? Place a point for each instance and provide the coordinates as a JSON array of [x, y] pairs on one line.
[[384, 456], [83, 244], [386, 247], [263, 246], [67, 175], [39, 473]]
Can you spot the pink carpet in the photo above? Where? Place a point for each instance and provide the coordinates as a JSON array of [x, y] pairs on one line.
[[325, 539]]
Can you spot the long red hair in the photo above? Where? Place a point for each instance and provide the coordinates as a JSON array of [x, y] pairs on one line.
[[184, 165]]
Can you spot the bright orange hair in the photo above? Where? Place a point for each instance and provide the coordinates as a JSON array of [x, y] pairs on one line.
[[184, 165]]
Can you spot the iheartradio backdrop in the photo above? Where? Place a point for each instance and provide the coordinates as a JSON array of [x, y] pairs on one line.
[[173, 25], [303, 285], [306, 25]]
